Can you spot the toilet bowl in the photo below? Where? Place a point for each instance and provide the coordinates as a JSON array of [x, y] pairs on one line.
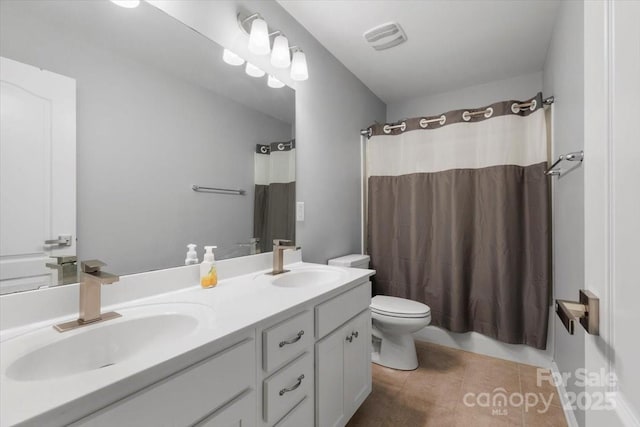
[[393, 322]]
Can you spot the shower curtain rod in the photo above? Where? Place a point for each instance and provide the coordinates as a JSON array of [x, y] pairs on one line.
[[402, 126]]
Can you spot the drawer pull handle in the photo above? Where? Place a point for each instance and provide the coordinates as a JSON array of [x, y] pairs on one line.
[[293, 387], [349, 338], [354, 334], [292, 340]]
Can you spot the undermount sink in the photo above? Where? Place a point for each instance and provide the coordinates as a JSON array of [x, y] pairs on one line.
[[306, 277], [142, 329]]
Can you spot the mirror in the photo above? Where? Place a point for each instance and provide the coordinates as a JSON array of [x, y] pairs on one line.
[[110, 117]]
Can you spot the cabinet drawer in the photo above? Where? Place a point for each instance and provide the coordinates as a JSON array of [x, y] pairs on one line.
[[336, 311], [301, 415], [286, 340], [284, 389], [187, 396]]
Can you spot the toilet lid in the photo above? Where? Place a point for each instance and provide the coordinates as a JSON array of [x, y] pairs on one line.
[[398, 307]]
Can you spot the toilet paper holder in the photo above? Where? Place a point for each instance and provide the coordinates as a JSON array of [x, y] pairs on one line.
[[587, 311]]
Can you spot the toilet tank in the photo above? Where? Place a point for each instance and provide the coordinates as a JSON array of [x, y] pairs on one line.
[[353, 261]]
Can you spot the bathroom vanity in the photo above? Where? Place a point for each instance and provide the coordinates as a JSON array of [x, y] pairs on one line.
[[257, 350]]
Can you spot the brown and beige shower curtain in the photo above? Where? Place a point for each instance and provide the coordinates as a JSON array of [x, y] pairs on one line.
[[458, 218], [275, 193]]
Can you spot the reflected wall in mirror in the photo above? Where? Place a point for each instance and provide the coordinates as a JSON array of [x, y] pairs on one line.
[[152, 110]]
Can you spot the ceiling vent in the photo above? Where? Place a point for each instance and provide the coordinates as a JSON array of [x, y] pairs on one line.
[[385, 36]]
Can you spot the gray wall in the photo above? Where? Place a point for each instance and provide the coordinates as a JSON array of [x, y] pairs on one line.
[[331, 108], [143, 138], [564, 78], [521, 87]]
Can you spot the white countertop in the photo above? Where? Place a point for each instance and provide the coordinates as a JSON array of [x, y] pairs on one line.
[[238, 303]]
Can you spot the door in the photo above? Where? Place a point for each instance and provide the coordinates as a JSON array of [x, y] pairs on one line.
[[37, 173], [612, 210], [330, 411], [357, 362]]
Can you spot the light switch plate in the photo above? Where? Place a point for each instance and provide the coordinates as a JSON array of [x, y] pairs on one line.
[[300, 211]]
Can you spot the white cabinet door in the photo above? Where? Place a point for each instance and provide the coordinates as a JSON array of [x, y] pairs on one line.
[[343, 371], [238, 413], [330, 379], [357, 362], [37, 172]]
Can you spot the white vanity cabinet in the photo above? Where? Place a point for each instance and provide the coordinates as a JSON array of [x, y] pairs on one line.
[[214, 392], [343, 358], [309, 365], [287, 368]]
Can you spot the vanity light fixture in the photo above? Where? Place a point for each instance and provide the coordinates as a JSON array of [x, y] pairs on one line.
[[274, 83], [231, 58], [129, 4], [259, 42], [280, 56], [299, 70], [253, 71]]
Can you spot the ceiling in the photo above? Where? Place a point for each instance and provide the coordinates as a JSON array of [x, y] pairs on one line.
[[451, 43]]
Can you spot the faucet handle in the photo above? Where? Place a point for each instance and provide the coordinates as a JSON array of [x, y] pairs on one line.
[[282, 242], [92, 265]]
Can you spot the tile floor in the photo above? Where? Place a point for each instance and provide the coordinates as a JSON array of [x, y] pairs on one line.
[[434, 394]]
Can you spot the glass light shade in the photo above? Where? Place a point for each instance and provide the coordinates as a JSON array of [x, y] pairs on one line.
[[274, 83], [280, 55], [129, 4], [299, 71], [259, 37], [231, 58], [253, 71]]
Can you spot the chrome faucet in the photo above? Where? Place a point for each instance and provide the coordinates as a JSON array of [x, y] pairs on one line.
[[91, 281], [279, 246]]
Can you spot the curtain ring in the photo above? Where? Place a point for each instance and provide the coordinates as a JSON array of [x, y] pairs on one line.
[[533, 106], [466, 116], [443, 120], [403, 126], [488, 113], [424, 123], [386, 129], [264, 149], [280, 146]]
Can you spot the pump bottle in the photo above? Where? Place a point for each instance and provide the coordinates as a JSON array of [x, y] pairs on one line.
[[208, 273]]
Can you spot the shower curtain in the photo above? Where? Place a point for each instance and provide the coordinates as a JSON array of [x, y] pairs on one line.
[[458, 218], [275, 193]]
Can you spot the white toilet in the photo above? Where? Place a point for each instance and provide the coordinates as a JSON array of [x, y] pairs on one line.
[[393, 322]]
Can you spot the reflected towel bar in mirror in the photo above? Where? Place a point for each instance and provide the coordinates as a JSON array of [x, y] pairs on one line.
[[201, 189]]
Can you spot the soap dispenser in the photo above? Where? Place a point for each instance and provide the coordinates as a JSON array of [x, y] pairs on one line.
[[208, 273], [192, 255]]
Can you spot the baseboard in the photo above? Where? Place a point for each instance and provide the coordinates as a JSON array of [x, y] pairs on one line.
[[564, 398], [625, 411], [478, 343]]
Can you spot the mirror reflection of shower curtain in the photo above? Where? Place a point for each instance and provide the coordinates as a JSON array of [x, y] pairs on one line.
[[275, 193], [458, 218]]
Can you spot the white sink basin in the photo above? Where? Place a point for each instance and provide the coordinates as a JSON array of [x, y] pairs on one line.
[[46, 354], [306, 277]]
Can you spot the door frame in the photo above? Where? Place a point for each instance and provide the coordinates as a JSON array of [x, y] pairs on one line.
[[599, 199]]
